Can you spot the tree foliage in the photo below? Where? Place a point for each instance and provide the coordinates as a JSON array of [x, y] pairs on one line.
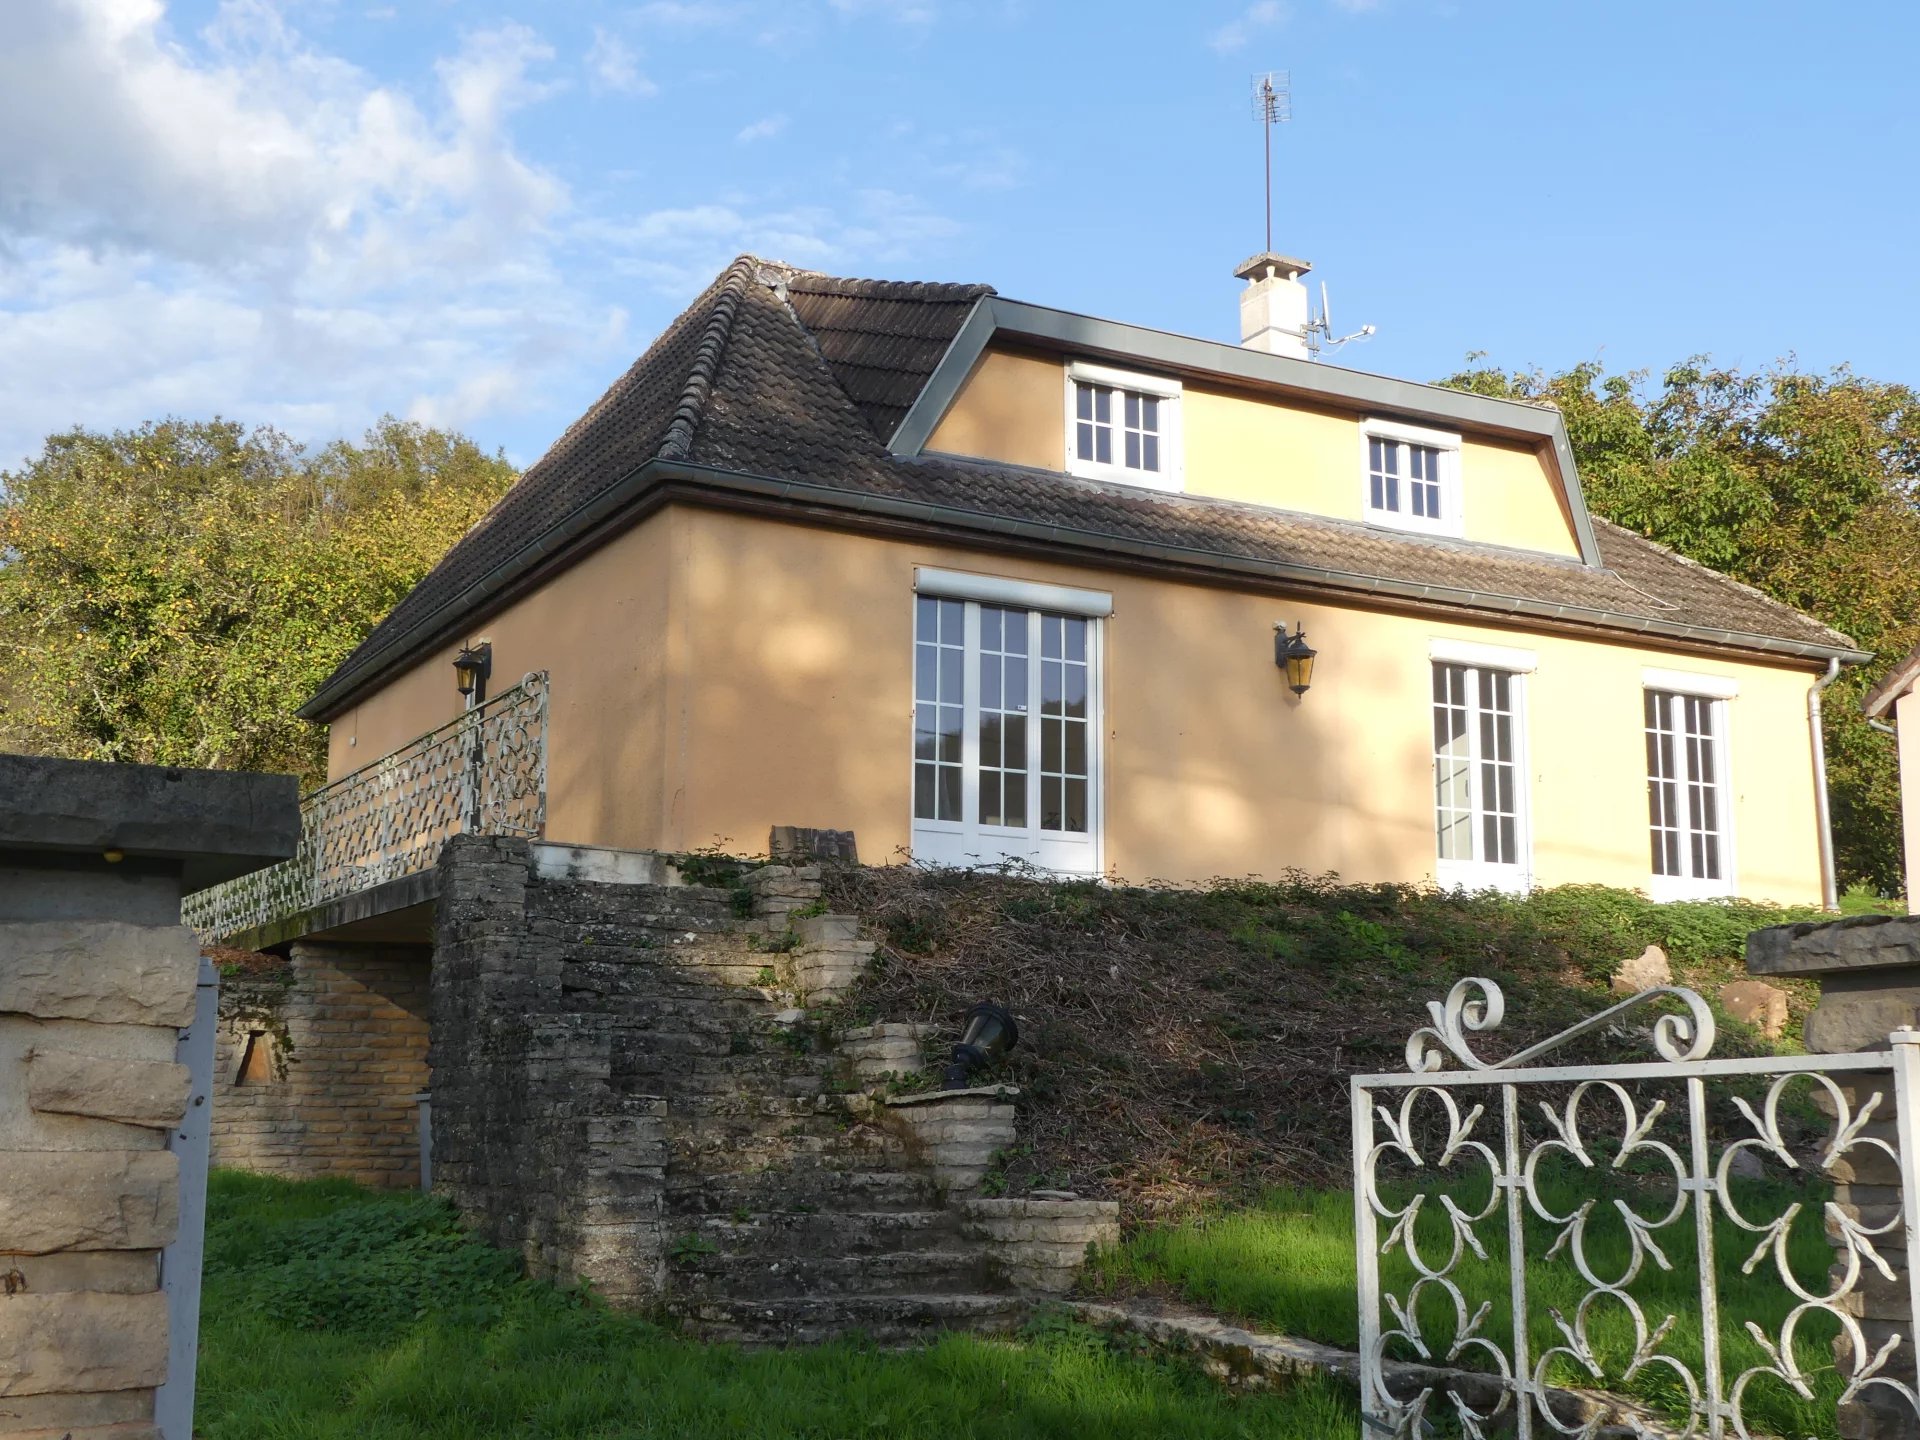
[[1801, 485], [172, 594]]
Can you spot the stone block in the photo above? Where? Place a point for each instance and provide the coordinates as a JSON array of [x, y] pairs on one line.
[[107, 1272], [103, 971], [1646, 971], [805, 844], [82, 1342], [89, 1200], [99, 1415], [1821, 947], [827, 930], [131, 1091], [1758, 1004]]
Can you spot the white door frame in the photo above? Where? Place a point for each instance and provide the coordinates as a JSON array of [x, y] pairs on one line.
[[965, 842]]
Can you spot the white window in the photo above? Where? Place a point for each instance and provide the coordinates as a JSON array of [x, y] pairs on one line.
[[1687, 795], [1479, 777], [1005, 742], [1122, 426], [1412, 477]]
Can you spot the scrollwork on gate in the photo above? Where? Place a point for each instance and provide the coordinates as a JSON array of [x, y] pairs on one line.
[[1524, 1120]]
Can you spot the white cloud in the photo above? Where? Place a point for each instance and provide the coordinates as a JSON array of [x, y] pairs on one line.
[[1356, 7], [763, 129], [615, 65], [1234, 35], [236, 221], [675, 251]]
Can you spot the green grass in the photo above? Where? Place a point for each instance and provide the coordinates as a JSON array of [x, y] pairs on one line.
[[1286, 1265], [334, 1312]]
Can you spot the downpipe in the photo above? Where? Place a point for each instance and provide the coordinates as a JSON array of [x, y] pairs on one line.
[[1829, 882]]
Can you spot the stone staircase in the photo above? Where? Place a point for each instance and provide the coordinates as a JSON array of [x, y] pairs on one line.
[[732, 1166]]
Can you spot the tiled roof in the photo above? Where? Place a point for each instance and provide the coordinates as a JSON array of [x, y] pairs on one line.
[[792, 383], [881, 338]]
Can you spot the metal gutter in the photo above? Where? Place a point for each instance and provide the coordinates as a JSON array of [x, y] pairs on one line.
[[1829, 879]]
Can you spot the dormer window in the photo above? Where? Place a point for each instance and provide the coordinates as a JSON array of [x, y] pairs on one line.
[[1122, 426], [1411, 477]]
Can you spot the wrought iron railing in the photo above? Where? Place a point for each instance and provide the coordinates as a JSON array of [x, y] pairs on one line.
[[484, 774], [1479, 1179]]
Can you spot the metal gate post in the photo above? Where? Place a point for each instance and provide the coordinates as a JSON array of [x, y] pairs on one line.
[[1905, 1045], [1366, 1252], [180, 1261]]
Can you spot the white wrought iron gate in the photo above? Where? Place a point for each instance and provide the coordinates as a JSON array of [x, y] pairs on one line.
[[1467, 1181]]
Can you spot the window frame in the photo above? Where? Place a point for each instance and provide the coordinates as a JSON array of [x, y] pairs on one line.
[[1452, 521], [973, 590], [1717, 692], [1518, 666], [1171, 476]]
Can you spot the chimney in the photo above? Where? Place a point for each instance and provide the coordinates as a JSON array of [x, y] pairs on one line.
[[1273, 307]]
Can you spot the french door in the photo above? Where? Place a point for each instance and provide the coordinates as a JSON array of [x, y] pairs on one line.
[[1005, 736], [1479, 781]]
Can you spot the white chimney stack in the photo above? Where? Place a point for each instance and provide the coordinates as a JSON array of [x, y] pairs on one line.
[[1273, 307]]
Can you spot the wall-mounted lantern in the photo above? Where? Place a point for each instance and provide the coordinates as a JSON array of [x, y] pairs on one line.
[[990, 1034], [471, 667], [1294, 656]]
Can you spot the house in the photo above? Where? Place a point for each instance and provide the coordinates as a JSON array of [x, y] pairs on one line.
[[980, 580], [1895, 696]]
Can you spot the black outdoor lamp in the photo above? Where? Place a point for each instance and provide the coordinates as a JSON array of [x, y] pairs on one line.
[[1293, 655], [990, 1034], [470, 670]]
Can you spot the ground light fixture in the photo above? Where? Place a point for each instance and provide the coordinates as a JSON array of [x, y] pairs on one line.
[[989, 1035], [1294, 656], [470, 670]]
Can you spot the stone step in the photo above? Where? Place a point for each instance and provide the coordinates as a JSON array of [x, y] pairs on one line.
[[891, 1320], [819, 1149], [755, 1108], [800, 1085], [828, 1231], [773, 1193], [961, 1269]]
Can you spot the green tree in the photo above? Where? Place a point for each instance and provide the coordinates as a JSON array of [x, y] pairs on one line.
[[171, 594], [1801, 485]]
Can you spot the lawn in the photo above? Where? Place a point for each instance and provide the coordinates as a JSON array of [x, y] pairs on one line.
[[331, 1311], [1286, 1265]]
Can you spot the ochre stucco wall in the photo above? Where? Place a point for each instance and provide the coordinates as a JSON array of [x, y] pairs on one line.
[[798, 712], [1906, 711], [1238, 447], [601, 629], [780, 693]]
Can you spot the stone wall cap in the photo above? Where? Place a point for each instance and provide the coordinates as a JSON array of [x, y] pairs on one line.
[[936, 1097], [215, 823], [1822, 947], [1028, 1208]]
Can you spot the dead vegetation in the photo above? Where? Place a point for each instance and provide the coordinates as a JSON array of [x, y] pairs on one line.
[[1180, 1046]]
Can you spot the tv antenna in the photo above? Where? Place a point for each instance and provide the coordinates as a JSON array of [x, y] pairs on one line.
[[1272, 105]]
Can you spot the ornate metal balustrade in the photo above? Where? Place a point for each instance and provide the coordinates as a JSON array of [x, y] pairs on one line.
[[1462, 1179], [485, 773]]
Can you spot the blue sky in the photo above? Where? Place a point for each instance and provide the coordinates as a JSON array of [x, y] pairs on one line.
[[309, 212]]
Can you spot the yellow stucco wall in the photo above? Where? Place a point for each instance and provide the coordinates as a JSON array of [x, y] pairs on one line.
[[1906, 711], [715, 674], [1259, 450], [602, 630]]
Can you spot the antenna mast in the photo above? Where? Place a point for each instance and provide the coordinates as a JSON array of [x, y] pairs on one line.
[[1272, 105]]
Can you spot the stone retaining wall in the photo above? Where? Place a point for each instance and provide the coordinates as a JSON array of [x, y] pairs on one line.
[[1040, 1246], [955, 1134], [342, 1102], [90, 1014]]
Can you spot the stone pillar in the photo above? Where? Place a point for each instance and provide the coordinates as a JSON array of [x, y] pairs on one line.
[[1869, 972], [97, 980]]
